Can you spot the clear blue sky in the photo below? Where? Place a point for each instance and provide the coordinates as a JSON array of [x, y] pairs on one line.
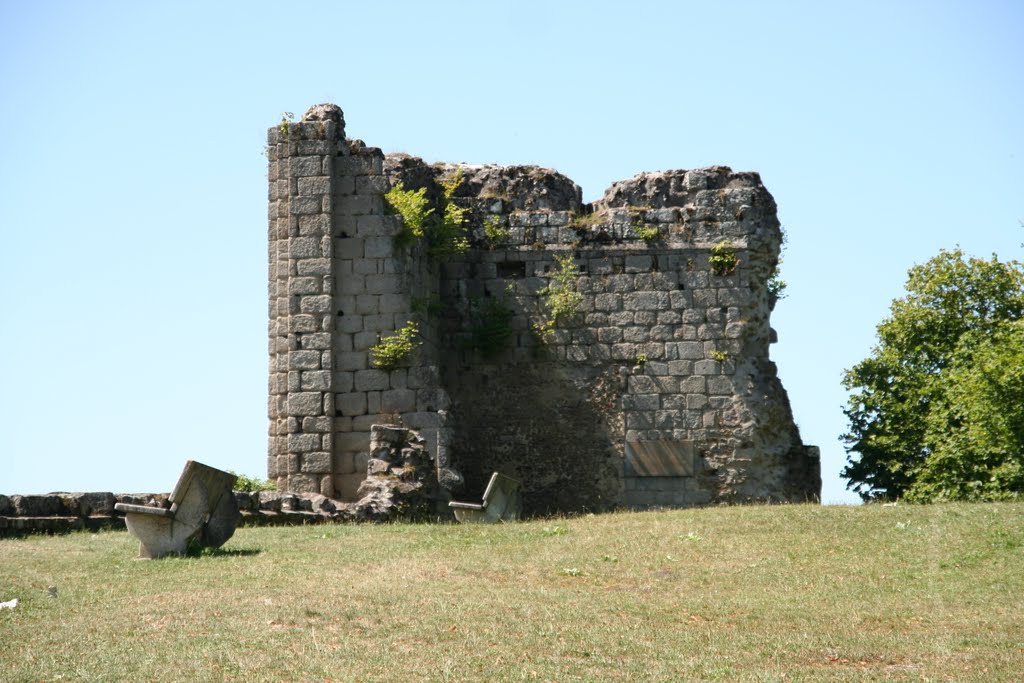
[[133, 189]]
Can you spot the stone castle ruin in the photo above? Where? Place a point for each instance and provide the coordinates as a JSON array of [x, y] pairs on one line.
[[607, 354]]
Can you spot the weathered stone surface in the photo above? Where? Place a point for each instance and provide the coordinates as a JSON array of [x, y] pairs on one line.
[[327, 112], [450, 480], [302, 483], [305, 403], [37, 506], [96, 503], [659, 458], [371, 380], [222, 523], [321, 503], [659, 348], [269, 500], [514, 188], [246, 500], [401, 482]]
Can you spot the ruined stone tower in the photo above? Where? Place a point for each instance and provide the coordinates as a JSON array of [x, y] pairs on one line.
[[652, 386]]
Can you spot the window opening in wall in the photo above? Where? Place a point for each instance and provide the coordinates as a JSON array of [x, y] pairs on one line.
[[512, 269]]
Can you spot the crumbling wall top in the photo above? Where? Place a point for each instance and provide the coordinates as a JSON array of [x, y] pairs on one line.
[[327, 112]]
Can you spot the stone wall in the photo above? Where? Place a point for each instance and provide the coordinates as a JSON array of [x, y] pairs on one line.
[[337, 283], [657, 390], [66, 512]]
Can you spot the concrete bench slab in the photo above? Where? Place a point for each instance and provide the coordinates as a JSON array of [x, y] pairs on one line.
[[202, 508], [502, 502]]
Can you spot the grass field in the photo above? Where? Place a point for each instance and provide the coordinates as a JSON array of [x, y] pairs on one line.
[[793, 593]]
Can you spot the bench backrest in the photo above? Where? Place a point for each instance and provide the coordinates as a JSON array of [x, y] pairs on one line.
[[501, 499], [198, 492]]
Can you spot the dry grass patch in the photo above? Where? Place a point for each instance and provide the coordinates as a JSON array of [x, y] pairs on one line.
[[798, 593]]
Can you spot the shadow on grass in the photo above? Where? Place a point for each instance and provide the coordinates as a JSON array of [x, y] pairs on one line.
[[220, 552]]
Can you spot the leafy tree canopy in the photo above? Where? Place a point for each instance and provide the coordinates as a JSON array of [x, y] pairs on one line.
[[937, 410]]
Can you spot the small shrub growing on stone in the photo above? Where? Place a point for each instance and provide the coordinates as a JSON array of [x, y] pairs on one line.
[[587, 221], [448, 236], [648, 233], [252, 484], [394, 349], [497, 234], [444, 233], [723, 260], [411, 205], [561, 300]]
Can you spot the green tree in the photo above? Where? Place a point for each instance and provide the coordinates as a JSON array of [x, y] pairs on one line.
[[975, 434], [902, 407]]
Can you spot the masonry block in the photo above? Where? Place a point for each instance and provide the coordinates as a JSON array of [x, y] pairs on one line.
[[314, 266], [354, 442], [315, 380], [302, 443], [315, 304], [305, 166], [318, 463], [305, 403], [352, 360], [351, 404], [349, 248], [378, 247], [304, 360], [314, 186]]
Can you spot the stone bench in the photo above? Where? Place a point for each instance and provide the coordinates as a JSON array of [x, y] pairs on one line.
[[502, 502], [202, 509]]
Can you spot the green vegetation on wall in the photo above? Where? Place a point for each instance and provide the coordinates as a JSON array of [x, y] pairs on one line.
[[648, 233], [444, 231], [287, 118], [394, 349], [413, 207], [497, 233], [560, 299], [776, 285], [252, 484], [723, 260]]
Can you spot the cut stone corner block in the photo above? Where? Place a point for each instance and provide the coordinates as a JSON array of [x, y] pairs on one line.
[[502, 502], [202, 509]]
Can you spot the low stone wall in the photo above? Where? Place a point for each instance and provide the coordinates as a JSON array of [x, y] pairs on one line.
[[65, 512]]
